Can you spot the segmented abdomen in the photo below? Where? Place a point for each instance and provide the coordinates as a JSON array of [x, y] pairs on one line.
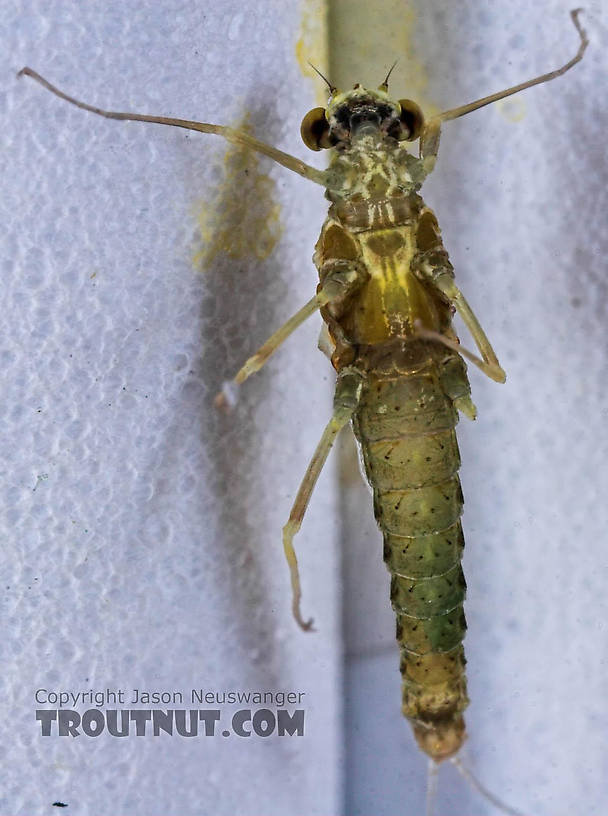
[[405, 425]]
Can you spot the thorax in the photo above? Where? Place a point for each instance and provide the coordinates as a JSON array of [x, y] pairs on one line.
[[377, 185], [374, 221]]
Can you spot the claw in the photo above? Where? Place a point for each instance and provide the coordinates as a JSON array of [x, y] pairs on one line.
[[227, 398]]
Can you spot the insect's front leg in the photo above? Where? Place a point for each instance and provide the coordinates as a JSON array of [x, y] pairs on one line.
[[429, 143], [233, 136], [429, 137]]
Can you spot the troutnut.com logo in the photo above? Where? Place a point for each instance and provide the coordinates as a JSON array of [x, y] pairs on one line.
[[264, 714]]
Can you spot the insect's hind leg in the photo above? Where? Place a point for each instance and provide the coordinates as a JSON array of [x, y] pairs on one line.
[[346, 399]]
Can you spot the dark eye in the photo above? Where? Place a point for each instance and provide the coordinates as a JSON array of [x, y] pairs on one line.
[[412, 120], [315, 130]]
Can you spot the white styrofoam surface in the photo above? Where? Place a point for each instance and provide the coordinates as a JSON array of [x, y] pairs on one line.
[[149, 553], [520, 194], [141, 530]]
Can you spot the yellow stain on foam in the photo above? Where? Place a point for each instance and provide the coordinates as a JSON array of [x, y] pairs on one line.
[[241, 218], [311, 45]]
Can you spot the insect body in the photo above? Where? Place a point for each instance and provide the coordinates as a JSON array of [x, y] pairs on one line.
[[383, 245], [391, 294], [387, 294]]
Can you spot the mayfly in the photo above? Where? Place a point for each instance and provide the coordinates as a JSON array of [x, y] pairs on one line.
[[387, 295]]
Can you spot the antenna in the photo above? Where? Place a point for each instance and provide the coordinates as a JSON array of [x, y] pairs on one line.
[[384, 86], [332, 88]]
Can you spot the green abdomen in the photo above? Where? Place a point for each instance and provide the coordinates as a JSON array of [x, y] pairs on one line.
[[405, 424]]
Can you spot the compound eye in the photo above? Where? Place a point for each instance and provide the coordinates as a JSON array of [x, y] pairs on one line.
[[412, 120], [315, 130]]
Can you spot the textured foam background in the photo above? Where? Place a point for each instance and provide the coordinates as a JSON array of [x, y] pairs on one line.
[[141, 530], [520, 194]]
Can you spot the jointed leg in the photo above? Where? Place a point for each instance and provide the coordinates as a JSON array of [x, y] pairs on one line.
[[429, 143], [336, 286], [257, 360], [234, 136], [455, 113], [346, 399], [429, 138], [489, 365]]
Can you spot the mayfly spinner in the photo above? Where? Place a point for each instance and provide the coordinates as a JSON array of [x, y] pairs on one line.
[[387, 295]]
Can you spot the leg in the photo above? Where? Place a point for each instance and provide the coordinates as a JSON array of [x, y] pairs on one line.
[[336, 286], [346, 399], [254, 363], [489, 365], [429, 143], [234, 136], [429, 138], [455, 113]]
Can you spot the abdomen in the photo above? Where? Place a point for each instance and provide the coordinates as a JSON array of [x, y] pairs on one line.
[[405, 425]]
